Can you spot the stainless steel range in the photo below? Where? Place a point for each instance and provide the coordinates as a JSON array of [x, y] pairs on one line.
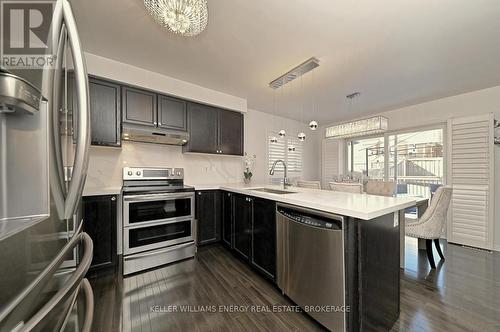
[[158, 218]]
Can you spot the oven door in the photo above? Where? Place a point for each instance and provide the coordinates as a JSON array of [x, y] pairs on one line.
[[159, 235], [150, 209]]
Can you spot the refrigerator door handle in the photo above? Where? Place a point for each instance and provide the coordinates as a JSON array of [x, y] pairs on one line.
[[56, 106], [70, 287], [81, 159], [48, 84], [33, 289], [57, 183], [89, 307]]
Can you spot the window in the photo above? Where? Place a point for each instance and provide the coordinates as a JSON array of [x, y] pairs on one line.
[[416, 161], [287, 149], [413, 159], [367, 156]]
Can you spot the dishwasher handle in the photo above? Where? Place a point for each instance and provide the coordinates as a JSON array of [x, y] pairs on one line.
[[311, 218]]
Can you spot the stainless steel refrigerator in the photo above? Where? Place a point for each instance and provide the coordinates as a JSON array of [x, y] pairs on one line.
[[44, 255]]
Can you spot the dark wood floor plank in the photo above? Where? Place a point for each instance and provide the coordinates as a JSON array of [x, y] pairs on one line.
[[462, 294]]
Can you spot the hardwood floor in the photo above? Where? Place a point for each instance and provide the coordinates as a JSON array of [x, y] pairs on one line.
[[462, 294]]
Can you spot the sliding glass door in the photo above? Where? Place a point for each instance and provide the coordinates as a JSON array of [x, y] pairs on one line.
[[366, 156], [414, 159]]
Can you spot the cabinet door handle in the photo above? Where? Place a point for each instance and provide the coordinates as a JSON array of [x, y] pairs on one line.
[[113, 198]]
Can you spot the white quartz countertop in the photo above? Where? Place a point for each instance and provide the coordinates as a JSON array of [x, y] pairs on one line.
[[362, 206], [101, 191]]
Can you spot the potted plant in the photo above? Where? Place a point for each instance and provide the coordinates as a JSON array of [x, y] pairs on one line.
[[249, 164]]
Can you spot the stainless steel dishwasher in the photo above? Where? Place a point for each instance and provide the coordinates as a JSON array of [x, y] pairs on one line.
[[310, 271]]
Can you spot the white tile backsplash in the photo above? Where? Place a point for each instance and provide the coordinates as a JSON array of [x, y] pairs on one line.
[[105, 167]]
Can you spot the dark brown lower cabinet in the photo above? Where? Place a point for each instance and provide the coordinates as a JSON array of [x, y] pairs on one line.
[[264, 236], [227, 218], [208, 216], [99, 222], [247, 226], [242, 223]]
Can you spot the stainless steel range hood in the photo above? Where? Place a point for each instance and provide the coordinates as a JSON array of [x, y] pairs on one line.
[[153, 135]]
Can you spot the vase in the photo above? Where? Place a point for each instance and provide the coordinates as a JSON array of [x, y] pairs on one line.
[[247, 180]]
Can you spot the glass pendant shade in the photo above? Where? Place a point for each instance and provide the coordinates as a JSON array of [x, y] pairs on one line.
[[302, 137], [184, 17], [282, 133], [313, 125]]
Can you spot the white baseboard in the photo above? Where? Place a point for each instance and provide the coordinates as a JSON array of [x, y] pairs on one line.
[[496, 248]]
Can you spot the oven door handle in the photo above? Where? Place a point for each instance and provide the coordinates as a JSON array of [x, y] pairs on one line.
[[155, 252], [153, 197], [158, 222]]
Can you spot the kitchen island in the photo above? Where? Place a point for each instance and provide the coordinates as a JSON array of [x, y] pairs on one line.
[[370, 240]]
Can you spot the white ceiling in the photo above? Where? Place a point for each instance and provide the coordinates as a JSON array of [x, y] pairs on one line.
[[396, 53]]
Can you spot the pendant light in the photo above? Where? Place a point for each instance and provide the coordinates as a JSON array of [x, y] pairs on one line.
[[288, 77], [313, 125], [273, 138], [282, 132], [302, 136]]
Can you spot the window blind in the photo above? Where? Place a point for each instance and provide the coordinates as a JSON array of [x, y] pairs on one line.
[[276, 151], [280, 150], [330, 161], [471, 172], [294, 157]]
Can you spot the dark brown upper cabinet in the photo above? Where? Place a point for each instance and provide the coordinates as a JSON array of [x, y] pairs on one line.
[[172, 113], [105, 111], [230, 132], [202, 129], [139, 106], [214, 130]]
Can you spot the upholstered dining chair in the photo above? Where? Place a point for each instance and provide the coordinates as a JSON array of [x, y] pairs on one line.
[[348, 187], [309, 184], [381, 188], [430, 226]]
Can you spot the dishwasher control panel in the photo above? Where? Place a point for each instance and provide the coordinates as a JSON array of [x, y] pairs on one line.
[[310, 219]]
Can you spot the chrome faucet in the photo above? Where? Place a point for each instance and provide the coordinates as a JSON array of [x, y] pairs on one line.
[[285, 179]]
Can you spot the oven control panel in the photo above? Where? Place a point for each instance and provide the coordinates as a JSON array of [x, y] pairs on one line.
[[149, 173]]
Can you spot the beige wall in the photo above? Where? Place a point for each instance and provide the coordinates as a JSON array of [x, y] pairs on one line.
[[122, 72], [439, 111]]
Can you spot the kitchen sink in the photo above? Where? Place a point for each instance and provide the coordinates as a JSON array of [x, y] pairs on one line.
[[273, 191]]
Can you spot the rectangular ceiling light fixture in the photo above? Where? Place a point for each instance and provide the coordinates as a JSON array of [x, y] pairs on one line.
[[296, 72], [370, 126]]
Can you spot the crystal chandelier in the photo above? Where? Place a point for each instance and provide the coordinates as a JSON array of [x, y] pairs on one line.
[[374, 125], [184, 17]]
